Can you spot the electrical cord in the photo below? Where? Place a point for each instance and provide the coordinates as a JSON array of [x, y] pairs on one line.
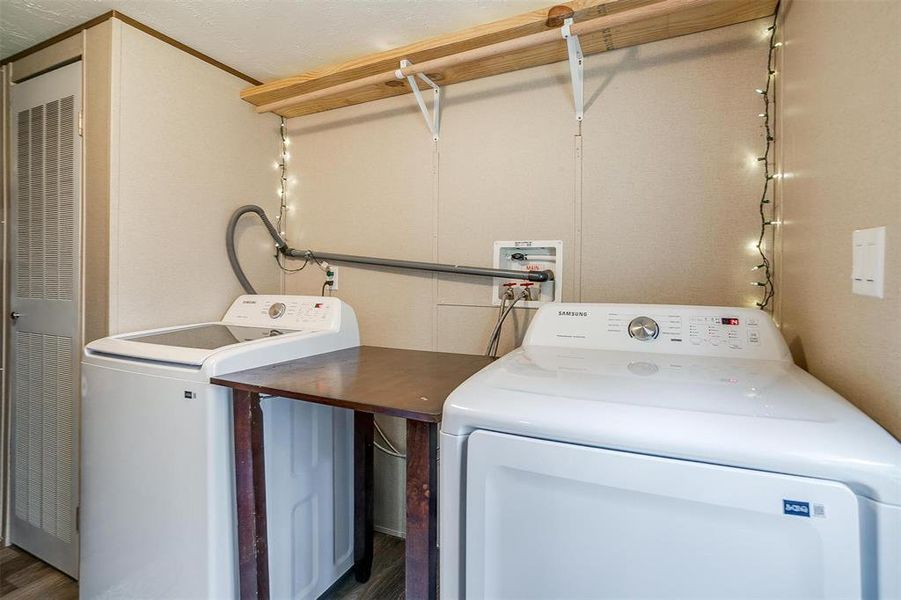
[[309, 255], [381, 448], [306, 260], [278, 261], [325, 285], [381, 432], [392, 449]]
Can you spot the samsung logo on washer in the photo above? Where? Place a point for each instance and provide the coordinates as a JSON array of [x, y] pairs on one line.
[[572, 313]]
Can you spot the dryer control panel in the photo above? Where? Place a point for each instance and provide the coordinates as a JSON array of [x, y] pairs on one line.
[[656, 328], [304, 313]]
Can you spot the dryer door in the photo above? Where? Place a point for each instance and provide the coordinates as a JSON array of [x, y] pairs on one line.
[[552, 520]]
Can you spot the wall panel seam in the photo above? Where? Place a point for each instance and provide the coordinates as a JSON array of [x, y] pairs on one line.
[[577, 217], [115, 162], [436, 224]]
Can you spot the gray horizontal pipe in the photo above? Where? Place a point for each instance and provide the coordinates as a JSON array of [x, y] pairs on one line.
[[537, 276]]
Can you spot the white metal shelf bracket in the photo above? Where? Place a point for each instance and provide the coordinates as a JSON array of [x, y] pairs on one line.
[[574, 49], [433, 121]]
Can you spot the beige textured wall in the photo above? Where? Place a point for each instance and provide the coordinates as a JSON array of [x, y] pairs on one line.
[[841, 117], [656, 200], [60, 53], [97, 61], [186, 152]]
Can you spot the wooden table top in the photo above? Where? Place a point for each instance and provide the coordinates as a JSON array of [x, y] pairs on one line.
[[412, 384]]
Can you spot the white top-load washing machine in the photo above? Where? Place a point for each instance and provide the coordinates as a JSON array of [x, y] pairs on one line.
[[637, 451], [158, 499]]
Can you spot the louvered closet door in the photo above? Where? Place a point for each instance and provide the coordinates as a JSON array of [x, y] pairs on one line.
[[45, 339]]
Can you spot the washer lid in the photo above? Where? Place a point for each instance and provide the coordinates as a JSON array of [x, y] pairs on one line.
[[759, 414], [211, 336], [188, 345]]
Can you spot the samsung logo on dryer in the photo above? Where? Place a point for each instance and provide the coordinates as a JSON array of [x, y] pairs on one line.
[[796, 508], [572, 313]]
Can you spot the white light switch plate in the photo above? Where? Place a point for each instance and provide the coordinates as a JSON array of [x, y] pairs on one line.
[[868, 262]]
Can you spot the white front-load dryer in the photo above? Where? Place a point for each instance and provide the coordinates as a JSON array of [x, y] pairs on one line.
[[158, 499], [645, 451]]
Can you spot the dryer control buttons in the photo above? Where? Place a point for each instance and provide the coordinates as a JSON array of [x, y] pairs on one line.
[[277, 310], [644, 329]]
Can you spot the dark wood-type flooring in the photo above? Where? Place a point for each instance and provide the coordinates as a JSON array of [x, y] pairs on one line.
[[24, 576]]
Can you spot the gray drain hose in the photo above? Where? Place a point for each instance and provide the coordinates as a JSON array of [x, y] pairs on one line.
[[230, 241]]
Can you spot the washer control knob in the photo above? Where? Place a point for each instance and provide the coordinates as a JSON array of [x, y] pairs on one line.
[[277, 310], [644, 329]]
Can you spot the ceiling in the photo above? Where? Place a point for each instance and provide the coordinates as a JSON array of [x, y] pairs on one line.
[[266, 39]]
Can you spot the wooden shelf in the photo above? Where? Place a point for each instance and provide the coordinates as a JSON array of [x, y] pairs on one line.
[[690, 20]]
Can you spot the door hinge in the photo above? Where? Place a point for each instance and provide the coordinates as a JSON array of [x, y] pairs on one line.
[[81, 124], [77, 519]]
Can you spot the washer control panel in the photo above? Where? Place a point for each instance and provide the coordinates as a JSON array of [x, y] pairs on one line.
[[693, 330], [722, 329], [307, 313], [728, 331]]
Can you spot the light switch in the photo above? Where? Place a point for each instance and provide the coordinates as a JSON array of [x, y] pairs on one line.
[[868, 262]]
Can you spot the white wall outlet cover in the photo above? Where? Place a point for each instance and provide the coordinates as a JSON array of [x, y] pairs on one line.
[[868, 262], [529, 255]]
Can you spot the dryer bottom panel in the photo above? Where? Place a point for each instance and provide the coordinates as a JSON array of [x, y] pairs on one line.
[[552, 520]]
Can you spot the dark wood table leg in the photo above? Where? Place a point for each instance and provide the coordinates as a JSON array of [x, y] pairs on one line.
[[422, 511], [363, 497], [250, 489]]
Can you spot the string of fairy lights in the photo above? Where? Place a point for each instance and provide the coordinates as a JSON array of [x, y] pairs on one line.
[[282, 166], [766, 204]]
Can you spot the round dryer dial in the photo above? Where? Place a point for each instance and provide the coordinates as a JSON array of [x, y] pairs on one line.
[[644, 329], [277, 310]]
